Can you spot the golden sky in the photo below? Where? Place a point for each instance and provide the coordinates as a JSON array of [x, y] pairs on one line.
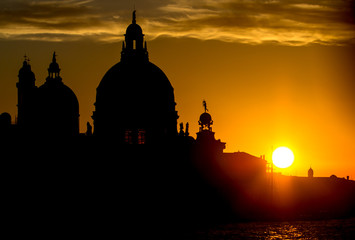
[[273, 73]]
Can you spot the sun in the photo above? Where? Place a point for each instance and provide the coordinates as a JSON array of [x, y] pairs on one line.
[[282, 157]]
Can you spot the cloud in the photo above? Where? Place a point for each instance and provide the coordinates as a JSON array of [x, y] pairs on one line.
[[289, 22], [53, 20], [44, 13]]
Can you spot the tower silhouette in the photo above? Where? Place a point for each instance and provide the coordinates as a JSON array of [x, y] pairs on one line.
[[205, 136], [26, 97], [310, 172]]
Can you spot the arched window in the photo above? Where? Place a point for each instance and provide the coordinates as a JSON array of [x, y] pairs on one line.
[[135, 136], [128, 138], [141, 136]]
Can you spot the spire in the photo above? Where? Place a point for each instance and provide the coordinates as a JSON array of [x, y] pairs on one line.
[[134, 17], [26, 62], [26, 59], [54, 57]]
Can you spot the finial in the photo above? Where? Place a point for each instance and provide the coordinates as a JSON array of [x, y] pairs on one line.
[[54, 69], [205, 105], [134, 17], [54, 59], [26, 60]]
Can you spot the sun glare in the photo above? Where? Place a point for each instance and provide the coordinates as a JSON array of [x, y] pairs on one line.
[[282, 157]]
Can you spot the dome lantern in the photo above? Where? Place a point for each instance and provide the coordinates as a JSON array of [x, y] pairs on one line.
[[57, 105], [133, 47], [54, 70]]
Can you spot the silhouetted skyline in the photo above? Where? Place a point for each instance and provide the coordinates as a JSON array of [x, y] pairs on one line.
[[133, 172], [301, 93]]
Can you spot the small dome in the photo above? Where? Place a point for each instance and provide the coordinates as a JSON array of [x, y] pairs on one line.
[[5, 119], [58, 109], [205, 118], [134, 30], [58, 94], [53, 66], [26, 72]]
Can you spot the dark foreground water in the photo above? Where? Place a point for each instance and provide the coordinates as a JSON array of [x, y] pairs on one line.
[[321, 229]]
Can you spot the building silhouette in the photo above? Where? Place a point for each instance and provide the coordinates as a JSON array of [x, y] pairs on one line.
[[135, 100], [310, 172], [133, 164], [51, 109]]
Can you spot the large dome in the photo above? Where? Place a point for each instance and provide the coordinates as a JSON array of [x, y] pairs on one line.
[[136, 91]]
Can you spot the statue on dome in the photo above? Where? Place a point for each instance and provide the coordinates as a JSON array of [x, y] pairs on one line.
[[205, 121], [205, 105]]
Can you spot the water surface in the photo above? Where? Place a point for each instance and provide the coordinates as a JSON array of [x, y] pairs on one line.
[[321, 229]]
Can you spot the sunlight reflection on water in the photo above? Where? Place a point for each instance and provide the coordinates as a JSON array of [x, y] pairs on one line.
[[325, 229]]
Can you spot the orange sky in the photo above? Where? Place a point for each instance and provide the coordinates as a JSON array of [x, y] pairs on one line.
[[270, 77]]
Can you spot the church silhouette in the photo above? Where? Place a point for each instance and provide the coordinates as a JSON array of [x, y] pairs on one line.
[[134, 161], [133, 169], [135, 97], [49, 110]]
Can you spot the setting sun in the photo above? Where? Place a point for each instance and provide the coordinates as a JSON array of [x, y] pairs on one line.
[[282, 157]]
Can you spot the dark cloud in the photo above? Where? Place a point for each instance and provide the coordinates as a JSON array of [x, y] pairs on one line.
[[291, 22], [287, 21], [47, 14]]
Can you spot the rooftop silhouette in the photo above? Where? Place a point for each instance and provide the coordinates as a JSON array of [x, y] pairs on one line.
[[133, 165]]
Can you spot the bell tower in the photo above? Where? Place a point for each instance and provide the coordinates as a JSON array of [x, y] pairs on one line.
[[310, 172], [26, 96]]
